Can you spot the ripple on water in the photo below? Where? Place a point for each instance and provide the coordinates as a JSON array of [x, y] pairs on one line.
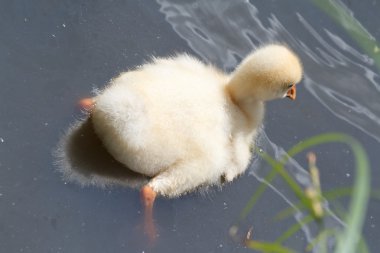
[[222, 32]]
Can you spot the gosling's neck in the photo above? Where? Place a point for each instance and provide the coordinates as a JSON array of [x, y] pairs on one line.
[[240, 90], [251, 108]]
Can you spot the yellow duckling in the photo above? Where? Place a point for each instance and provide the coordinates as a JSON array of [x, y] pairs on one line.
[[185, 123]]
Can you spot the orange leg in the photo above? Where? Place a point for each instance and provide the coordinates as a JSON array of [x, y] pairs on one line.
[[86, 103], [147, 197]]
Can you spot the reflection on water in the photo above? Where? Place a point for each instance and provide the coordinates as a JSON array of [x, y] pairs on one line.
[[223, 32]]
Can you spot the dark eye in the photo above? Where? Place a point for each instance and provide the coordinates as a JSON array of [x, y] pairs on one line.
[[290, 86]]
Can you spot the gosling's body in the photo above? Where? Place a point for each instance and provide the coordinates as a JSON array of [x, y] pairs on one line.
[[185, 123], [173, 118]]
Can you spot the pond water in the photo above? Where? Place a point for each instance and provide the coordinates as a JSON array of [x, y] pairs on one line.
[[54, 53]]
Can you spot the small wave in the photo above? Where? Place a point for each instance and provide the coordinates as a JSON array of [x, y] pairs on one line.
[[340, 77]]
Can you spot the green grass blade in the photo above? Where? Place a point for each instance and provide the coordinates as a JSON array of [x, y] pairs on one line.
[[357, 32], [277, 169], [289, 211], [297, 190], [361, 190], [267, 247], [294, 229], [363, 246], [321, 239], [329, 195], [256, 196], [349, 239]]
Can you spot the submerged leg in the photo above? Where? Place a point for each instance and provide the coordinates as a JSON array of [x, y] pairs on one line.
[[147, 197], [173, 182], [183, 177]]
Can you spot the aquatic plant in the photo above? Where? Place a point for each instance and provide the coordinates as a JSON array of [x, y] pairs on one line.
[[343, 17], [348, 239]]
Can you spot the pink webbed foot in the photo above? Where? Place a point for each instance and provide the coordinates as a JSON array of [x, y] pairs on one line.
[[86, 104], [148, 196]]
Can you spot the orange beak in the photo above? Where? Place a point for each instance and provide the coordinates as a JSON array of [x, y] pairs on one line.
[[291, 93]]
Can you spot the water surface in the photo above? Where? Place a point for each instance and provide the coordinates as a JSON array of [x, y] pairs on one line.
[[53, 53]]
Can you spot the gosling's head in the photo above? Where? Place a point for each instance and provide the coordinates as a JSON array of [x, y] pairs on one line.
[[268, 73]]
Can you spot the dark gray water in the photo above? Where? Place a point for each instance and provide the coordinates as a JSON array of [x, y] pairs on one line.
[[52, 53]]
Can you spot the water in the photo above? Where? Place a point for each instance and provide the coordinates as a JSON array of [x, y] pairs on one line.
[[340, 77], [350, 91], [55, 53]]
